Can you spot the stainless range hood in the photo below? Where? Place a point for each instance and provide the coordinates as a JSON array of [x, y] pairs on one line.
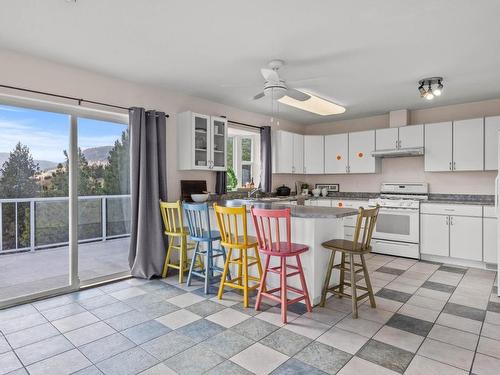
[[398, 153]]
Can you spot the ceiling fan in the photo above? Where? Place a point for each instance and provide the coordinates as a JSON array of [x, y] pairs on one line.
[[276, 87]]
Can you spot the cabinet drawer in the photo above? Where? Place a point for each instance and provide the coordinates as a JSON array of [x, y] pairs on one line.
[[489, 211], [451, 209]]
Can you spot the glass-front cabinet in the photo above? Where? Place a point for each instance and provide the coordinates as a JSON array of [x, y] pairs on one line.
[[201, 142]]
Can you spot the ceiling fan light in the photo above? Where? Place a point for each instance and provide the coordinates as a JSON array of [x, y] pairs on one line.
[[314, 104], [429, 95], [438, 90], [422, 91]]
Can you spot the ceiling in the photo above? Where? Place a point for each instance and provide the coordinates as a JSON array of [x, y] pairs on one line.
[[366, 55]]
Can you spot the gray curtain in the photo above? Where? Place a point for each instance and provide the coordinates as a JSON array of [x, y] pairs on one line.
[[148, 184], [221, 183], [266, 166]]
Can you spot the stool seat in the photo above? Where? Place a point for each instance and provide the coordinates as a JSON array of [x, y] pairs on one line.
[[346, 245], [178, 232], [283, 250], [240, 242], [206, 236]]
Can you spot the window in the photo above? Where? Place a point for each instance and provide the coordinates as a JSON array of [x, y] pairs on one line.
[[243, 158]]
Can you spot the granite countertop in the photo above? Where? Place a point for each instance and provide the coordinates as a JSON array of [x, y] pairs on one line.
[[471, 199], [296, 211]]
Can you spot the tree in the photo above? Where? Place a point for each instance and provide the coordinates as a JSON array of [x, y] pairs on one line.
[[18, 174], [117, 172]]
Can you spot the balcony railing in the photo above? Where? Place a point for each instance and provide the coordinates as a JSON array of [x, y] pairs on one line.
[[29, 224]]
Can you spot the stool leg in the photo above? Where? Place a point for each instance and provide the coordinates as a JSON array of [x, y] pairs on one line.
[[208, 257], [368, 282], [353, 288], [224, 274], [167, 258], [191, 267], [284, 302], [240, 268], [259, 266], [224, 258], [327, 278], [262, 283], [182, 259], [342, 274], [245, 277], [303, 282]]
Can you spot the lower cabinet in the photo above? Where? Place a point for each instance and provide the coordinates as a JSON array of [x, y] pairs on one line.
[[435, 235], [490, 240]]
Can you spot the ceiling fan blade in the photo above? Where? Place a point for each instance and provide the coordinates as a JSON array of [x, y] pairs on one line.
[[297, 95], [259, 95], [270, 75]]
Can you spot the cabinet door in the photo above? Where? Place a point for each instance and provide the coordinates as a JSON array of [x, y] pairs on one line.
[[336, 153], [361, 145], [218, 141], [314, 156], [202, 155], [468, 145], [490, 234], [298, 153], [283, 152], [438, 147], [491, 128], [434, 235], [466, 237], [411, 136], [386, 139]]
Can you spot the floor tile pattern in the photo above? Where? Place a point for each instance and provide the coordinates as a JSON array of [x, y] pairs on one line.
[[431, 318]]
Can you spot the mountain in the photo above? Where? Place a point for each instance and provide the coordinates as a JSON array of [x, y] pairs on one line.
[[97, 154], [43, 164]]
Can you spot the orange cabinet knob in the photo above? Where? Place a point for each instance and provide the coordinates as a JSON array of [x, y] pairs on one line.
[[341, 204], [339, 157], [360, 154]]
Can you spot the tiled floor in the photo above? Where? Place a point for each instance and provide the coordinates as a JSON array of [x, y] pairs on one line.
[[430, 319]]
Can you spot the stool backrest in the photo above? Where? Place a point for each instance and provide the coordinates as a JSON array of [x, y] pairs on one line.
[[171, 214], [267, 220], [365, 223], [232, 224], [198, 220]]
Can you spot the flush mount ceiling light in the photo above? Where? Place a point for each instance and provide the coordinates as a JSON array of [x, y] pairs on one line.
[[430, 87], [314, 104]]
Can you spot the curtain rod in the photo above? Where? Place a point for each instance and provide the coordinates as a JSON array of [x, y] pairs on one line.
[[243, 124], [79, 100]]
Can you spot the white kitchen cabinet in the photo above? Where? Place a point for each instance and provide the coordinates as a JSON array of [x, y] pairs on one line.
[[434, 235], [491, 128], [361, 145], [490, 238], [439, 147], [314, 146], [323, 202], [283, 144], [203, 139], [468, 145], [411, 136], [466, 237], [387, 139], [298, 153], [336, 153]]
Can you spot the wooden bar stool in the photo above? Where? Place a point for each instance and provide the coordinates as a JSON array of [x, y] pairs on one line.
[[200, 231], [171, 214], [232, 224], [267, 221], [359, 246]]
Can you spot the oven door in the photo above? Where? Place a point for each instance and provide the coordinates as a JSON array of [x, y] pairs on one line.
[[398, 224]]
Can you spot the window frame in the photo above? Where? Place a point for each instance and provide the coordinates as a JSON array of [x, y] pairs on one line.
[[238, 161]]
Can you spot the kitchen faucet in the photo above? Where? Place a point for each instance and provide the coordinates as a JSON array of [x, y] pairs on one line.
[[253, 191]]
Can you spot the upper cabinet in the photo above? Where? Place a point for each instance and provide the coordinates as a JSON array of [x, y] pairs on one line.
[[387, 139], [336, 153], [314, 156], [203, 140], [457, 146], [491, 128], [361, 145], [399, 138], [288, 152]]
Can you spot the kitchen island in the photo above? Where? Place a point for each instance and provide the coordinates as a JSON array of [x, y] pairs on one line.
[[310, 226]]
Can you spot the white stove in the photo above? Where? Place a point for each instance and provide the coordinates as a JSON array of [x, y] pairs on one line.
[[397, 231]]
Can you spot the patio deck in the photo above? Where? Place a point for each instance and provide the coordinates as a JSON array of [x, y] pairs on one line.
[[31, 272]]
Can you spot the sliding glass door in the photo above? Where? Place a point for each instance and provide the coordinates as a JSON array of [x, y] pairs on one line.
[[64, 199]]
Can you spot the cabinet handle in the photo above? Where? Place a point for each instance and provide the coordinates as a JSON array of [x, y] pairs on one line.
[[447, 220], [454, 166], [293, 169], [451, 220], [397, 143], [450, 167]]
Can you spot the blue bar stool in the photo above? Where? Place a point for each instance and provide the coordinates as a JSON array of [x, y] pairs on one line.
[[198, 220]]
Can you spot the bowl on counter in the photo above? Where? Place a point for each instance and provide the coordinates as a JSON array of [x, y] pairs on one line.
[[199, 198], [316, 192]]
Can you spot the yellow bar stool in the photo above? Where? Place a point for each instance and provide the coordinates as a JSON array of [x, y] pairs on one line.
[[171, 213], [232, 224]]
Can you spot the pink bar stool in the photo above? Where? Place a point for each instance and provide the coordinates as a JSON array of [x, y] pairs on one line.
[[265, 220]]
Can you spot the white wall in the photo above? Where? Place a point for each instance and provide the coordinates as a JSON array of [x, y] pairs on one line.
[[37, 74]]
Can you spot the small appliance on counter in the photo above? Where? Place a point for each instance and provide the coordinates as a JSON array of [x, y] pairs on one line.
[[328, 190], [283, 191]]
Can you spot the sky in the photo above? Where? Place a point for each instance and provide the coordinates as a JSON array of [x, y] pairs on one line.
[[47, 133]]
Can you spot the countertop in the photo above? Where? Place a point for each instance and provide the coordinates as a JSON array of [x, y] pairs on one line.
[[311, 212]]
